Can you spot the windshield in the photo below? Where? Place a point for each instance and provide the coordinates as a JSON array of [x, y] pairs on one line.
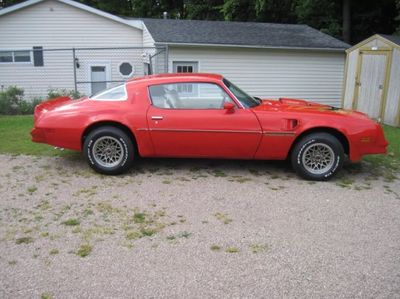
[[246, 100]]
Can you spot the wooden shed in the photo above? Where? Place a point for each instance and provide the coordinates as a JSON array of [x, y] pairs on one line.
[[372, 78]]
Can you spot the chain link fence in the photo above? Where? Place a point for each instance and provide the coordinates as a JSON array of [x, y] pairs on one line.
[[76, 71]]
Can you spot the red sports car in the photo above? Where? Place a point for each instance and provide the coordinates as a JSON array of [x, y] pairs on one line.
[[204, 116]]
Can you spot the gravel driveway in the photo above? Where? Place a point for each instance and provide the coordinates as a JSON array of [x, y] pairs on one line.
[[195, 229]]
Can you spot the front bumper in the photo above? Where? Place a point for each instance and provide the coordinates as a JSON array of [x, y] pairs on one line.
[[369, 144]]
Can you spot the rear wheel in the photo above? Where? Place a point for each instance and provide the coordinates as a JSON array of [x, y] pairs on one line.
[[318, 156], [109, 150]]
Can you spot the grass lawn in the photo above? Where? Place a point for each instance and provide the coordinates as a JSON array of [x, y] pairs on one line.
[[15, 139], [392, 159]]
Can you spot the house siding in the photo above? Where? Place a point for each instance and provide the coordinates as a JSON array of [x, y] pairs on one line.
[[159, 54], [52, 24], [270, 73], [148, 40]]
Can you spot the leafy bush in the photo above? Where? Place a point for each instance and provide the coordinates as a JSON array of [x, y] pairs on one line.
[[62, 92], [11, 100], [29, 107]]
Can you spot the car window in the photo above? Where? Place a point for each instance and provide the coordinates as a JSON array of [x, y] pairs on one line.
[[246, 100], [117, 93], [188, 96]]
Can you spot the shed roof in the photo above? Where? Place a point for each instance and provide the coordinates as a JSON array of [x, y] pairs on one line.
[[198, 32], [393, 38]]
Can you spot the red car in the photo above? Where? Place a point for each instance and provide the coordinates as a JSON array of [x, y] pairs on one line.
[[204, 116]]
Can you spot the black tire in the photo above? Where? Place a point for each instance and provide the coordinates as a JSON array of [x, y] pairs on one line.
[[104, 145], [312, 152]]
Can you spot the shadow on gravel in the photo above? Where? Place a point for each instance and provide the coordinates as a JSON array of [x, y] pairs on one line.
[[219, 167]]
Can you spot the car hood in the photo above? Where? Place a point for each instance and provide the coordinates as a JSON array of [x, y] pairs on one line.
[[302, 106]]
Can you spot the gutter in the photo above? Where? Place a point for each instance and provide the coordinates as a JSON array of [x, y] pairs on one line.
[[339, 50]]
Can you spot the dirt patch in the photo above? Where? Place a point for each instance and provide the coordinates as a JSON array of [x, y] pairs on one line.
[[195, 228]]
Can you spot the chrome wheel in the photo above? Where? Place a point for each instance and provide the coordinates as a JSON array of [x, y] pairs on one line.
[[108, 151], [318, 158]]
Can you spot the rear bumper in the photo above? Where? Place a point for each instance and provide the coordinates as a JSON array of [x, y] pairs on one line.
[[38, 135], [64, 138]]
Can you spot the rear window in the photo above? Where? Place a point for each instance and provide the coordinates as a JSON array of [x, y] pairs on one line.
[[117, 93]]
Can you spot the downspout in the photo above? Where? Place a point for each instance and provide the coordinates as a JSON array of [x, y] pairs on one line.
[[166, 58]]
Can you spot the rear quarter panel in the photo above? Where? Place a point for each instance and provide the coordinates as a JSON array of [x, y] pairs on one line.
[[65, 126]]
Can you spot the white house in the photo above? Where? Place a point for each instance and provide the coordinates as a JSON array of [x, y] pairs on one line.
[[37, 38]]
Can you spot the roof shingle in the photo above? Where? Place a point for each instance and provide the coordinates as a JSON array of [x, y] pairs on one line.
[[240, 34]]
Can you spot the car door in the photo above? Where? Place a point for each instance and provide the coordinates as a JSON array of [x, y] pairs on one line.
[[189, 120]]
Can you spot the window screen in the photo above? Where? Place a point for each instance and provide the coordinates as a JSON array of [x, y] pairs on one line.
[[15, 56], [6, 56], [22, 56]]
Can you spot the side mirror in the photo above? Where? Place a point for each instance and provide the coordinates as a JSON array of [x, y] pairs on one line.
[[229, 107]]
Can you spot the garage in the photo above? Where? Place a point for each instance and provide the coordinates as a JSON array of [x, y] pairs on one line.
[[372, 78], [266, 60]]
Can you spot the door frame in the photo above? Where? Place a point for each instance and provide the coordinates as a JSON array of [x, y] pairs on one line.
[[106, 64], [383, 51]]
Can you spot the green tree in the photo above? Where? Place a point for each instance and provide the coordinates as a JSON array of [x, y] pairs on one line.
[[239, 10], [204, 9], [276, 11], [370, 17], [346, 14], [324, 15], [156, 8], [398, 17], [5, 3]]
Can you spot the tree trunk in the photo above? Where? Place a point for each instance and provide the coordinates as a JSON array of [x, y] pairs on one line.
[[347, 21]]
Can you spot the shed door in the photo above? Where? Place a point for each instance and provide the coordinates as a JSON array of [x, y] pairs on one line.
[[371, 83]]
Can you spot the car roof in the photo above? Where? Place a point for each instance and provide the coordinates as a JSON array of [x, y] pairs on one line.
[[163, 78]]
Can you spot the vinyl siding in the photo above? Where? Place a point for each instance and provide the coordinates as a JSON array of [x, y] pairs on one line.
[[268, 73], [393, 95], [158, 61], [52, 24], [148, 40]]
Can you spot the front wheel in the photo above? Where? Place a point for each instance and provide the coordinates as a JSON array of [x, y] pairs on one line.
[[318, 156], [108, 150]]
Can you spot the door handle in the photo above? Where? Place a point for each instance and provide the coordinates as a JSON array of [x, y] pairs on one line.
[[157, 118]]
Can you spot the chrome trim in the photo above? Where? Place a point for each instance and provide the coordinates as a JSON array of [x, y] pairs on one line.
[[276, 133], [142, 129], [205, 131], [157, 117]]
